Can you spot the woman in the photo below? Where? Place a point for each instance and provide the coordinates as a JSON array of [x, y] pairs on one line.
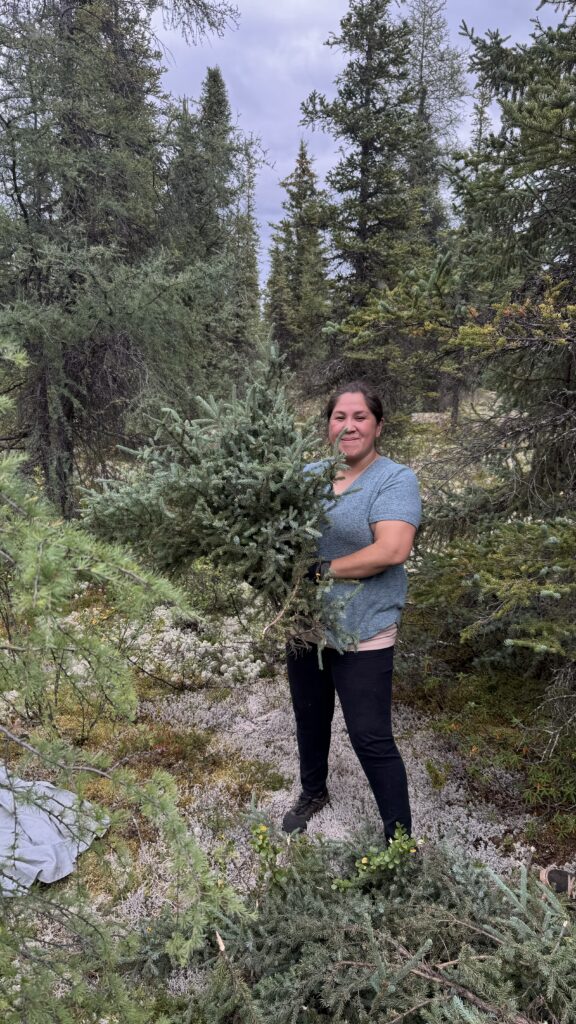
[[370, 533]]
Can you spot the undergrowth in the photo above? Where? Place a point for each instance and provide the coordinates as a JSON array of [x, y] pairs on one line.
[[340, 933]]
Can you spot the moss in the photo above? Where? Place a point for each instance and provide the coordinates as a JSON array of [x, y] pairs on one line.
[[247, 778], [438, 774], [95, 872]]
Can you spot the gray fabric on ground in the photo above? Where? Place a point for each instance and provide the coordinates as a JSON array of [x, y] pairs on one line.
[[42, 831]]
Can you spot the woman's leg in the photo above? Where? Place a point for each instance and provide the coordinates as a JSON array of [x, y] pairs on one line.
[[312, 693], [363, 681]]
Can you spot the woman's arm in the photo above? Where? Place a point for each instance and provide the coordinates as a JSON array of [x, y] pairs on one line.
[[393, 540]]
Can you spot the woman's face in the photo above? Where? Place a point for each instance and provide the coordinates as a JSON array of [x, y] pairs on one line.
[[362, 428]]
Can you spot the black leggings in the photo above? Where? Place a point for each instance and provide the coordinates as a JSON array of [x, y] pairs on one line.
[[363, 682]]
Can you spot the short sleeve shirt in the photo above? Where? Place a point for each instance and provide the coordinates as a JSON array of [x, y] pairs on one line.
[[385, 490]]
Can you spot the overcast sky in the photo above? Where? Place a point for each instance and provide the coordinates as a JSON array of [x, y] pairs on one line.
[[276, 57]]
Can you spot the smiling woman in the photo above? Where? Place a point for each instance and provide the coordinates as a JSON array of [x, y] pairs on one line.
[[372, 521]]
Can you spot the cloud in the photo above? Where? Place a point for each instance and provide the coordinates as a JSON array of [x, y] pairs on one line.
[[276, 57]]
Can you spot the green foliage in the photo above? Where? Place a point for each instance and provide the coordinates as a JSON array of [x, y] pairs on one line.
[[526, 352], [208, 223], [70, 611], [516, 189], [55, 661], [510, 588], [79, 159], [433, 939], [87, 363], [268, 852], [298, 293], [373, 117], [492, 620], [395, 109], [204, 900], [436, 69], [229, 485], [376, 862], [82, 174]]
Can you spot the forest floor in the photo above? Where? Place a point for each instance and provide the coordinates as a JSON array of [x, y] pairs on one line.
[[230, 745]]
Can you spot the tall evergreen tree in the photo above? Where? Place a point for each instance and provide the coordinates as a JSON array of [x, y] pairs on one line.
[[79, 160], [244, 288], [210, 225], [298, 303], [522, 186], [372, 116], [517, 192], [279, 307], [181, 231], [79, 171], [218, 150], [200, 180], [437, 77], [395, 109], [437, 67]]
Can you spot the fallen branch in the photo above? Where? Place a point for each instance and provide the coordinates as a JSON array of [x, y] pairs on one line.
[[45, 757], [431, 974]]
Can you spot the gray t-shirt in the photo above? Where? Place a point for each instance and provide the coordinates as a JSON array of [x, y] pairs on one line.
[[385, 490]]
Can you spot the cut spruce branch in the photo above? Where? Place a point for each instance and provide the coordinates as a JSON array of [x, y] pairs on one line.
[[229, 486]]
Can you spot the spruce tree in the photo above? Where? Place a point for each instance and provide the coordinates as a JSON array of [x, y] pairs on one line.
[[515, 188], [209, 224], [298, 286], [437, 77], [514, 335], [242, 251], [79, 161], [217, 150], [520, 189], [372, 116], [81, 124], [396, 104], [183, 185], [279, 307]]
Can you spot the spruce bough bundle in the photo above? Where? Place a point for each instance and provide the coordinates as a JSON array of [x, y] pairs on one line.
[[436, 941], [230, 486]]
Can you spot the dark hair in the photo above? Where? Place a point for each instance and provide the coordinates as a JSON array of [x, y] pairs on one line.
[[371, 398]]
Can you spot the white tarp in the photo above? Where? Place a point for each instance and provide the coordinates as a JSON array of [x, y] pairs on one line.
[[42, 831]]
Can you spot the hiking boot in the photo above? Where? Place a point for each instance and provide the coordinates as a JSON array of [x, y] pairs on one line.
[[560, 880], [305, 808]]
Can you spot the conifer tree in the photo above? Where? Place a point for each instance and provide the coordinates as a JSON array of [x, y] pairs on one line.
[[279, 307], [521, 189], [437, 68], [298, 286], [403, 93], [210, 225], [373, 118], [242, 251], [79, 167], [516, 192], [481, 120], [183, 185], [217, 150], [437, 77]]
